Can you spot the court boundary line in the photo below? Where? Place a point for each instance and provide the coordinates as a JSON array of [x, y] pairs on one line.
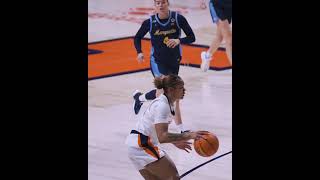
[[132, 37], [146, 69], [188, 172], [118, 74]]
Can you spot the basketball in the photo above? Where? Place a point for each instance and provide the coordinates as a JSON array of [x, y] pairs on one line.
[[206, 146]]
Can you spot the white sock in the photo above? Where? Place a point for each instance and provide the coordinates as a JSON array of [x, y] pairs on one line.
[[142, 97], [180, 127]]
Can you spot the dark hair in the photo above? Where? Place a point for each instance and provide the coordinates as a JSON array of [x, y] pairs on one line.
[[168, 81], [167, 1]]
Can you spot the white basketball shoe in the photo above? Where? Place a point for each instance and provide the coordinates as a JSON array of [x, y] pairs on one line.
[[206, 58]]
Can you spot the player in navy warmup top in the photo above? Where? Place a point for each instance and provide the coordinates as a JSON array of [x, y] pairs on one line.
[[165, 31]]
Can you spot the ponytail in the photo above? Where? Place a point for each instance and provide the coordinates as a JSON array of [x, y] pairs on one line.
[[158, 83], [168, 81]]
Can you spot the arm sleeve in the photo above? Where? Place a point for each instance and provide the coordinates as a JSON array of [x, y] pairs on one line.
[[140, 34], [183, 23]]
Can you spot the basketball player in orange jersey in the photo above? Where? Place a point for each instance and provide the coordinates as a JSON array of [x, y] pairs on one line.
[[221, 14], [165, 30], [152, 129]]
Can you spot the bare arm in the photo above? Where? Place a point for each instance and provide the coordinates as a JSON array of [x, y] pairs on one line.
[[177, 117], [166, 137]]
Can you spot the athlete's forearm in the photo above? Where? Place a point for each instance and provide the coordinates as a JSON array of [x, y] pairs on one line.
[[173, 137]]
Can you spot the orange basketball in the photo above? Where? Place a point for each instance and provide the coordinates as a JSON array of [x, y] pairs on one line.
[[206, 146]]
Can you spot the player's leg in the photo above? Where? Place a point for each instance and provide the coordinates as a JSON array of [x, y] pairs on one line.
[[224, 26], [147, 175], [164, 169], [206, 56]]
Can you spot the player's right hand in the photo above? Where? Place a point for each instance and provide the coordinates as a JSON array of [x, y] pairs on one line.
[[197, 134], [140, 57]]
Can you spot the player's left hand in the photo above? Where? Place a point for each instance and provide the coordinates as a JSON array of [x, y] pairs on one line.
[[172, 43], [184, 145], [203, 4]]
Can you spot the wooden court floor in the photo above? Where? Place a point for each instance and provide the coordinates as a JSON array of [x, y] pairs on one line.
[[207, 105]]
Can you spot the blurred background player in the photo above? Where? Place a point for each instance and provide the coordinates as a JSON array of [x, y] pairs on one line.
[[221, 14], [165, 31]]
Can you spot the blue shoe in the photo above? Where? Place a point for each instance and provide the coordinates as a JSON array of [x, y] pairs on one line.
[[137, 103]]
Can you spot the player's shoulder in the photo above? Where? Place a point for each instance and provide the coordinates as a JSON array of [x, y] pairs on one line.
[[161, 102], [146, 22], [180, 16]]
